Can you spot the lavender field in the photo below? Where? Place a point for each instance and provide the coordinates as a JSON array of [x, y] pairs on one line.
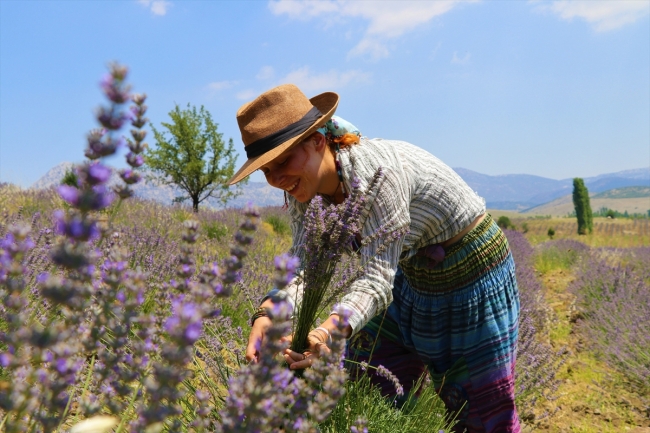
[[121, 315], [49, 351], [124, 342]]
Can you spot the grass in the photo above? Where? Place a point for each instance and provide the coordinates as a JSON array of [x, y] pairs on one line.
[[215, 230], [422, 413], [279, 224], [619, 233], [554, 257]]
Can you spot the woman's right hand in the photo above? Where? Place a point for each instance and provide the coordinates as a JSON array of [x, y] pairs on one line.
[[256, 338], [258, 334]]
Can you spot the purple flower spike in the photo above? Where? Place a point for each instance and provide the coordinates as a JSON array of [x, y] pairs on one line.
[[193, 331], [75, 227], [69, 193], [99, 146], [112, 90], [96, 198], [111, 120], [97, 174], [5, 360], [130, 177], [134, 160]]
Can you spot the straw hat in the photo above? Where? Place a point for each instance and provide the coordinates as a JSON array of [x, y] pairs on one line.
[[277, 120]]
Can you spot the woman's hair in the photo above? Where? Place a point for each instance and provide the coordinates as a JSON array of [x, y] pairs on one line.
[[344, 141]]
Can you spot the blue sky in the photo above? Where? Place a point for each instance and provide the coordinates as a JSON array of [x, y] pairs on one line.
[[552, 88]]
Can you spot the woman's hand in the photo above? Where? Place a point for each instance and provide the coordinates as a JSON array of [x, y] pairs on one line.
[[256, 338], [258, 333], [317, 340]]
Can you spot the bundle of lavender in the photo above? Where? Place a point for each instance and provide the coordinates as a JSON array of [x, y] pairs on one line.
[[330, 233]]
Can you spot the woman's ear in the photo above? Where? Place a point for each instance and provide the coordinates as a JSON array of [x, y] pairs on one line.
[[320, 143]]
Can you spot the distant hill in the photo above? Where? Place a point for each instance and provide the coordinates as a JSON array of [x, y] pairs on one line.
[[631, 199], [522, 191], [629, 192], [517, 192], [259, 193]]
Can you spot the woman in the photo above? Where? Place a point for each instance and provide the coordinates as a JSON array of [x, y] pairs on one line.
[[443, 298]]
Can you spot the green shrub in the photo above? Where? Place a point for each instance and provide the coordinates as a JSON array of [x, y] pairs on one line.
[[505, 223], [279, 224], [215, 230], [550, 232], [70, 178]]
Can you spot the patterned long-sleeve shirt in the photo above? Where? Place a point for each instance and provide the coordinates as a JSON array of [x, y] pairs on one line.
[[419, 192]]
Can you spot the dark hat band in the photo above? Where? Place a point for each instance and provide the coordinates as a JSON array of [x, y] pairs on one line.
[[263, 145]]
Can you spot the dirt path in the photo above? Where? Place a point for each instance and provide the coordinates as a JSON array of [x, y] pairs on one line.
[[592, 397]]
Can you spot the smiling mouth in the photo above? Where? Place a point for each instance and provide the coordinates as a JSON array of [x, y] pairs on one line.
[[292, 188]]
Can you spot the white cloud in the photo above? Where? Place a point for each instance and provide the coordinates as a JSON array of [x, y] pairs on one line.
[[246, 95], [266, 73], [386, 19], [310, 82], [603, 15], [157, 7], [371, 46], [304, 9], [221, 85], [455, 60]]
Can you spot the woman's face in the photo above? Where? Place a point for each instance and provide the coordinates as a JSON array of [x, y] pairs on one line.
[[302, 171]]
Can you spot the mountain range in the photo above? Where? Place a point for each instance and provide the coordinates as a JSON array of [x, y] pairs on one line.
[[523, 191], [516, 192]]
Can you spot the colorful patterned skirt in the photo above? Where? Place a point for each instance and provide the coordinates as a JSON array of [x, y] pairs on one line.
[[458, 319]]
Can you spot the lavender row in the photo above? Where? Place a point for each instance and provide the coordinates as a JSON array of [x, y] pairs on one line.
[[537, 361], [612, 289]]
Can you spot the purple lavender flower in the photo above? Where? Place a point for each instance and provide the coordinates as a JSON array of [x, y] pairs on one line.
[[123, 191], [360, 426], [69, 193], [91, 199], [387, 374], [75, 227], [111, 120], [286, 266], [100, 144], [134, 160], [113, 90], [94, 173], [130, 177]]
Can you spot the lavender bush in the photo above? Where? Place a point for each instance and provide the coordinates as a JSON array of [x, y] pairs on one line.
[[537, 362], [612, 288], [75, 328]]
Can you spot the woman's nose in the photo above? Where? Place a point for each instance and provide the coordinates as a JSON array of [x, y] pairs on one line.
[[273, 178]]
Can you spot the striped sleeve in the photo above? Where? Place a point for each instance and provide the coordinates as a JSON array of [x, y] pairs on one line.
[[388, 212]]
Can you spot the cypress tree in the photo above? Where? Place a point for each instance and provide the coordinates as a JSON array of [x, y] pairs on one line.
[[582, 207]]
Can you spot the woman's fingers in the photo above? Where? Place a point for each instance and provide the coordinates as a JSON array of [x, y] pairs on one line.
[[299, 361], [294, 356]]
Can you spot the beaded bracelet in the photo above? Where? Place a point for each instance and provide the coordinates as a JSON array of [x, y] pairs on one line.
[[260, 312]]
